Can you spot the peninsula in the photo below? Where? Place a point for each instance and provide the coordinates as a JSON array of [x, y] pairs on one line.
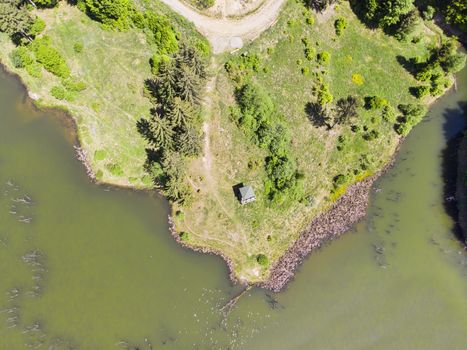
[[264, 123]]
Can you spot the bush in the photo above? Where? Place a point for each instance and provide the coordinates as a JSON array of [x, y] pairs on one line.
[[389, 114], [340, 180], [357, 79], [262, 259], [184, 236], [73, 85], [324, 95], [309, 53], [420, 91], [115, 169], [99, 155], [113, 14], [429, 13], [454, 63], [37, 27], [374, 102], [305, 71], [58, 92], [412, 115], [371, 135], [163, 33], [310, 20], [50, 58], [34, 70], [78, 47], [21, 57], [324, 57], [340, 24]]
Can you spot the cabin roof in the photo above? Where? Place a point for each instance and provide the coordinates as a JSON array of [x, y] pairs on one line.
[[246, 192]]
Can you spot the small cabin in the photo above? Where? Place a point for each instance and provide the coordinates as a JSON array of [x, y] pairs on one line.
[[246, 195]]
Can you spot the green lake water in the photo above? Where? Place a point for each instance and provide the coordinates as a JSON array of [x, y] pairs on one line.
[[84, 266]]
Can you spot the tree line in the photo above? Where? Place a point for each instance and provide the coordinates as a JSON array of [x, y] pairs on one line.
[[173, 130]]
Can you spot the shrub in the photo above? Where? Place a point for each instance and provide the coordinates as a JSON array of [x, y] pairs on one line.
[[78, 47], [412, 115], [324, 57], [99, 175], [324, 95], [34, 70], [340, 180], [73, 85], [310, 20], [21, 57], [340, 24], [429, 13], [309, 53], [115, 169], [37, 27], [454, 63], [58, 92], [305, 71], [403, 129], [420, 91], [389, 114], [262, 259], [99, 155], [113, 14], [184, 236], [407, 25], [163, 33], [50, 58], [374, 102], [371, 135], [357, 79]]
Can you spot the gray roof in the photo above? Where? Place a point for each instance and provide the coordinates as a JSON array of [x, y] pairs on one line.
[[246, 192]]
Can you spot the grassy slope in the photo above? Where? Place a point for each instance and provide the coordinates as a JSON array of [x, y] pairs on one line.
[[114, 67], [216, 219]]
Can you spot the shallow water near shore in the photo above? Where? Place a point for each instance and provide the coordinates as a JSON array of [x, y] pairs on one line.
[[84, 266]]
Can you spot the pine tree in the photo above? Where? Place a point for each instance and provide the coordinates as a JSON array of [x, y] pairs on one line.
[[161, 132]]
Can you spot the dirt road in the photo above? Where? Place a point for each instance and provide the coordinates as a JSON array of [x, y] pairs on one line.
[[229, 34]]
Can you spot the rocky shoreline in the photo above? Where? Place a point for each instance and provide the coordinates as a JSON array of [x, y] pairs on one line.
[[347, 211]]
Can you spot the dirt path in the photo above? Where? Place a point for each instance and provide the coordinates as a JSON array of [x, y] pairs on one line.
[[229, 34]]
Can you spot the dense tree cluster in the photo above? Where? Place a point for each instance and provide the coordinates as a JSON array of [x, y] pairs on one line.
[[111, 13], [173, 130], [258, 117], [343, 113], [15, 19], [434, 71]]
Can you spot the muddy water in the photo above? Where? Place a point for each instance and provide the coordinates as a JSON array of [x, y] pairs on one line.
[[89, 267]]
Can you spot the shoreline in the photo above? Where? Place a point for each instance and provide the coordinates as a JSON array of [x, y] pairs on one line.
[[461, 191], [348, 210]]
